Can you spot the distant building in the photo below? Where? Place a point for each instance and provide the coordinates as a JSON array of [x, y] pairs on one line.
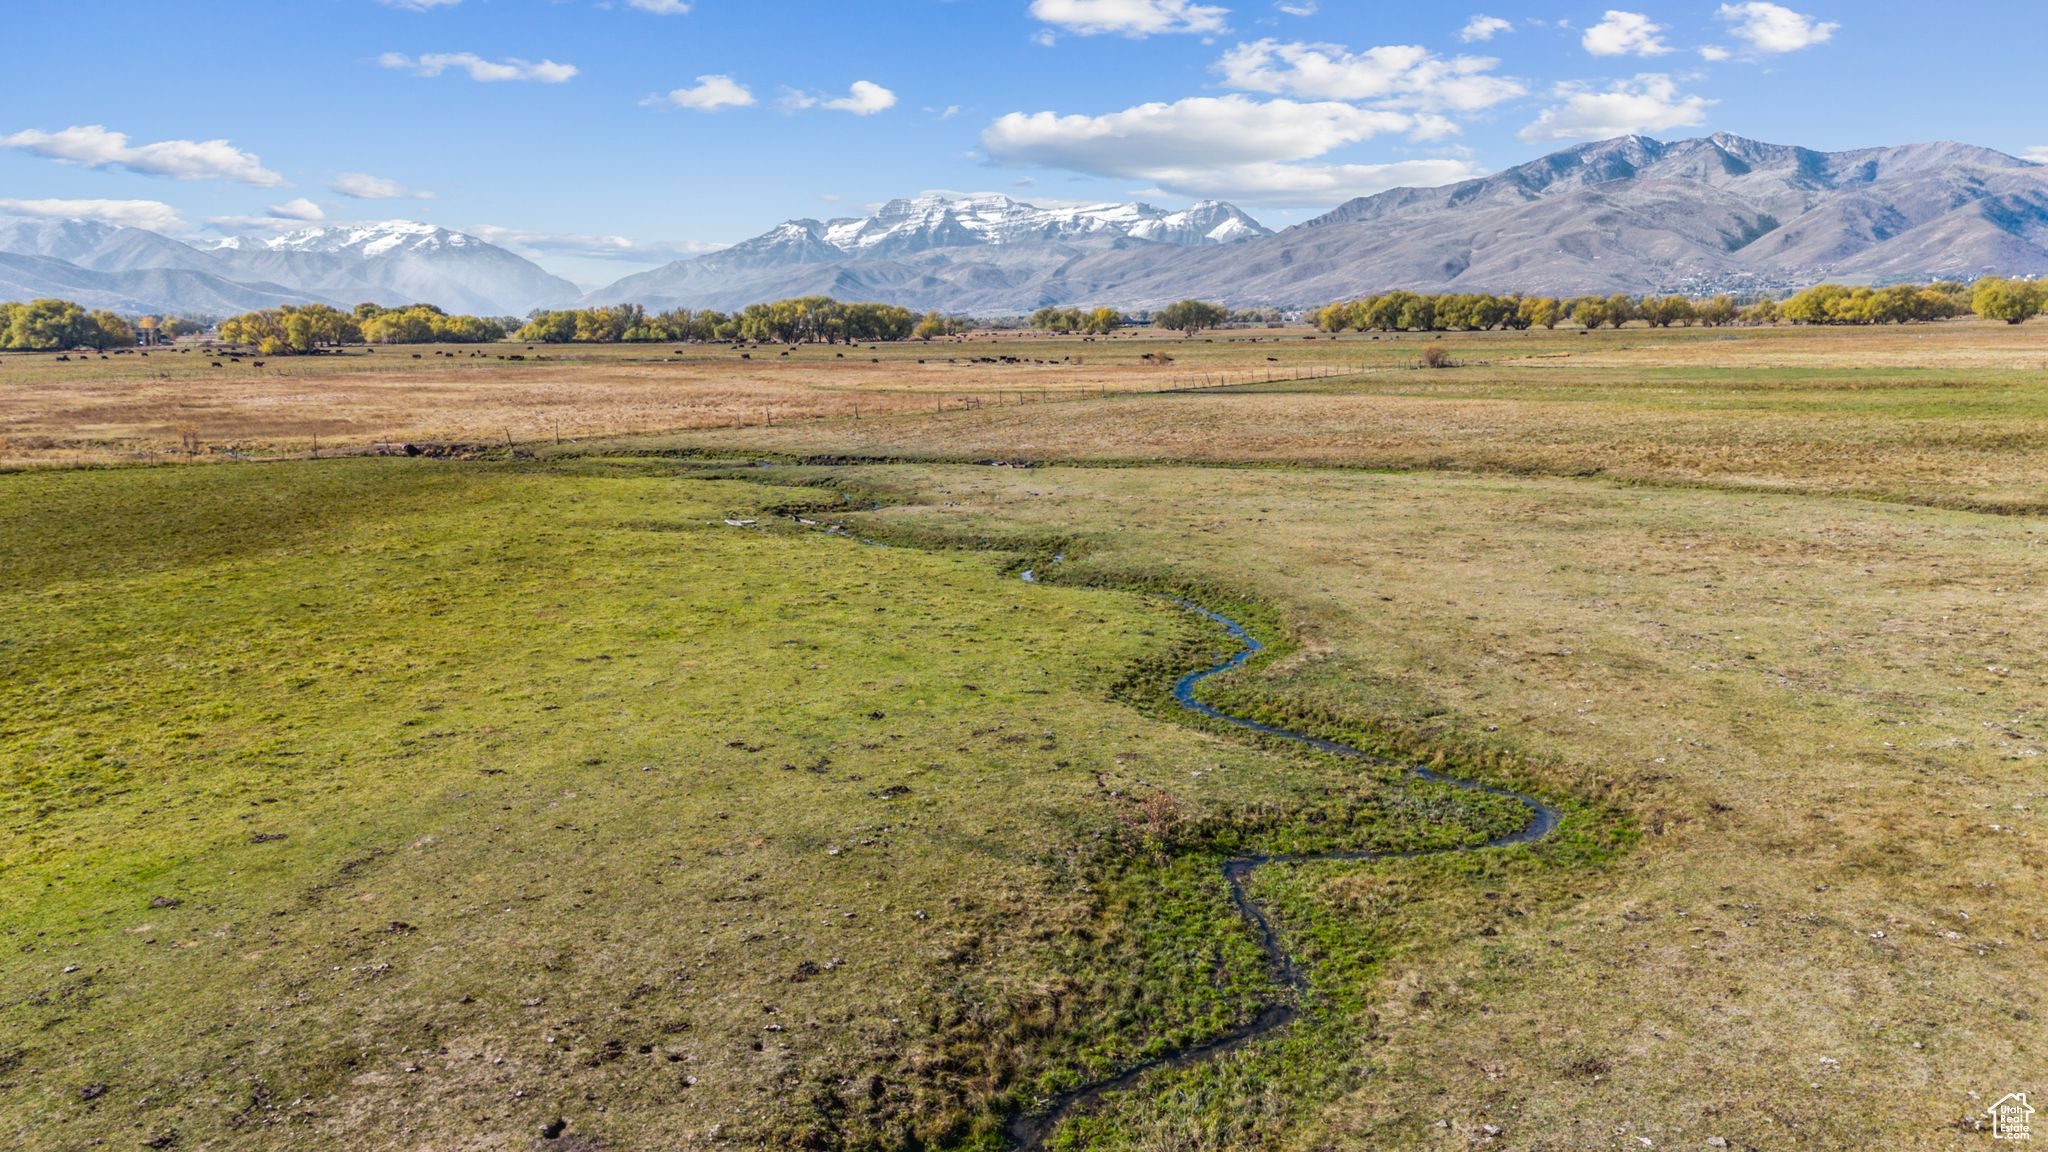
[[148, 332]]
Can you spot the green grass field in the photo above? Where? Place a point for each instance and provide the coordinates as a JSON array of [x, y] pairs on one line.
[[525, 802], [422, 806]]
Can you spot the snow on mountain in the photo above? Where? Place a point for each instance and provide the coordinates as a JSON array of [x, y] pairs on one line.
[[1632, 214], [910, 249], [394, 262], [935, 221], [363, 241]]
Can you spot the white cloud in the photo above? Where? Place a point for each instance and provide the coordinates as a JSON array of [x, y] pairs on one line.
[[95, 147], [362, 186], [151, 214], [1296, 183], [1227, 146], [1625, 34], [280, 217], [1714, 53], [480, 69], [299, 209], [594, 247], [1223, 129], [660, 7], [2036, 155], [1397, 75], [1649, 103], [1136, 18], [1483, 28], [865, 98], [1775, 28], [1305, 8], [709, 93], [419, 5]]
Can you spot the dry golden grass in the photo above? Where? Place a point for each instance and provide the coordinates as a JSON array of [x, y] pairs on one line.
[[1951, 414], [175, 405], [1828, 718]]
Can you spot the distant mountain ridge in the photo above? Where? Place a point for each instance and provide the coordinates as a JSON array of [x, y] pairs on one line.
[[396, 262], [965, 250], [1631, 214]]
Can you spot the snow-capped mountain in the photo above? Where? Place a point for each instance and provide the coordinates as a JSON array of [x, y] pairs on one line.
[[1625, 215], [988, 247], [363, 241], [396, 262], [927, 222], [399, 262]]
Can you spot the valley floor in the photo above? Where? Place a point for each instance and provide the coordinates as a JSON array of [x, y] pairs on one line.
[[592, 798]]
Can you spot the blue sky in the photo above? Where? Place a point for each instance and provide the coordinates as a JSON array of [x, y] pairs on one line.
[[604, 136]]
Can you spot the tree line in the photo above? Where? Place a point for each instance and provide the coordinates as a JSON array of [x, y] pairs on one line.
[[1992, 298], [800, 320], [1189, 316], [309, 327], [56, 325]]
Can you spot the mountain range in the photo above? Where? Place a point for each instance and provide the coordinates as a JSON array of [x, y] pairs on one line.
[[1626, 215], [958, 254], [399, 262], [1720, 213]]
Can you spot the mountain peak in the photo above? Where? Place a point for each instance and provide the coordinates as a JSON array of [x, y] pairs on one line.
[[940, 220], [366, 239]]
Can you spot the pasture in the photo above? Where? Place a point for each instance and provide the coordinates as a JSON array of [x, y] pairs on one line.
[[601, 795]]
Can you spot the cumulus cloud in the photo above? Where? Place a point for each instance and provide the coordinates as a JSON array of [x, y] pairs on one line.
[[299, 209], [594, 247], [95, 147], [1483, 28], [1775, 28], [1304, 8], [865, 98], [1625, 34], [280, 217], [1137, 18], [710, 92], [1296, 183], [419, 5], [1396, 75], [479, 69], [363, 186], [660, 7], [151, 214], [1714, 53], [1225, 146], [2036, 155], [1650, 102]]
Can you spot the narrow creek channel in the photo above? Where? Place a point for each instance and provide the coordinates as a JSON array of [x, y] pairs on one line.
[[1030, 1131]]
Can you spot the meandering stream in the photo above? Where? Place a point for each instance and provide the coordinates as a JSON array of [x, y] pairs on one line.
[[1029, 1131]]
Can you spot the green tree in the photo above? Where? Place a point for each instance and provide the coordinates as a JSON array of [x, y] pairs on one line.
[[44, 326], [1664, 311], [1102, 321], [1718, 312], [1190, 316], [104, 330], [1544, 312], [2013, 301]]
